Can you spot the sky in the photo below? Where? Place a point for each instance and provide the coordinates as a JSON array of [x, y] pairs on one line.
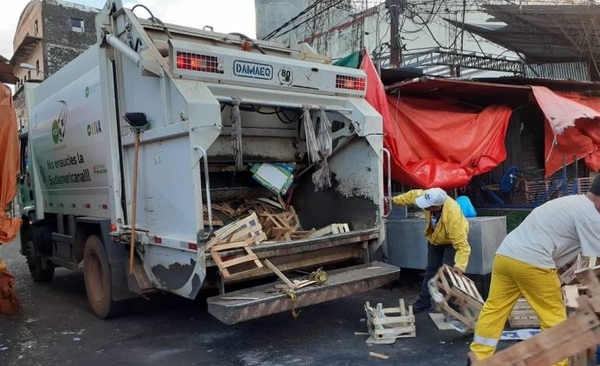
[[223, 15]]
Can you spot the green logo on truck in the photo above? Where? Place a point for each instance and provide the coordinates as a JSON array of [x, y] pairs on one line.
[[60, 123]]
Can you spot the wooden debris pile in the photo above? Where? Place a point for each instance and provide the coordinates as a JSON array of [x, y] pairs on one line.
[[279, 222], [523, 316], [252, 222]]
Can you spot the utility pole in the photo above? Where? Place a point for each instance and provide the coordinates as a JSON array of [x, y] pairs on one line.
[[395, 52], [462, 34]]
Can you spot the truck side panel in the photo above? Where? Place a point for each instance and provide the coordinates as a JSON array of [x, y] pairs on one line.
[[69, 140]]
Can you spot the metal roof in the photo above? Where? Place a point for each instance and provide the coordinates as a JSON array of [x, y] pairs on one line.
[[6, 72], [554, 84], [543, 33], [471, 92]]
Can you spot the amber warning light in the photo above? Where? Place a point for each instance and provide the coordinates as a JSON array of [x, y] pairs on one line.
[[350, 82], [197, 62]]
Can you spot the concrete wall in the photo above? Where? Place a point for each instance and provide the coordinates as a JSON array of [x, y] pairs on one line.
[[30, 24], [59, 43], [62, 44], [27, 22]]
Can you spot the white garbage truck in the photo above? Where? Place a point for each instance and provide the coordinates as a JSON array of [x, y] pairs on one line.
[[131, 146]]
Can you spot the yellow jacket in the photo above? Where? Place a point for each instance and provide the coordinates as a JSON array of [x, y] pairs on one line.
[[453, 227]]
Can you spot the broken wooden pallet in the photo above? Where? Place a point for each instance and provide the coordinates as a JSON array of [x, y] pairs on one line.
[[523, 316], [385, 325], [281, 226], [215, 220], [448, 288], [571, 295], [278, 221], [248, 228], [567, 272], [227, 264]]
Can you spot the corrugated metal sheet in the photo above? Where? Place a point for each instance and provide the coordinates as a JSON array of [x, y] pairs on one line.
[[562, 70]]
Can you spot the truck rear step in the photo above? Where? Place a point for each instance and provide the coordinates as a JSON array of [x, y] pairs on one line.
[[259, 303]]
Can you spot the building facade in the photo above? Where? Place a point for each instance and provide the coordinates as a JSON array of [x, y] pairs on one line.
[[50, 33]]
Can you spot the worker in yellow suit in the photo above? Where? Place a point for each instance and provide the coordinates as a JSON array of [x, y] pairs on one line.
[[446, 230], [526, 262], [9, 303]]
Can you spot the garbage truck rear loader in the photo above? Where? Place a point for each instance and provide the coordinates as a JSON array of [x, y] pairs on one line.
[[159, 135]]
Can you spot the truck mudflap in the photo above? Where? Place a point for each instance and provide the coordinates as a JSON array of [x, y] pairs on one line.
[[256, 302]]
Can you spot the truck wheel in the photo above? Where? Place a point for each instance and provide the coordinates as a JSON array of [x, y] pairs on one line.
[[98, 286], [34, 262]]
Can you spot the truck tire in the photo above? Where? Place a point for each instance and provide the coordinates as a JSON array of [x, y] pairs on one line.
[[34, 263], [98, 286]]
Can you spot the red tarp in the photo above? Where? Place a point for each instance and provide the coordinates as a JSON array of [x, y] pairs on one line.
[[571, 128], [9, 164], [436, 143]]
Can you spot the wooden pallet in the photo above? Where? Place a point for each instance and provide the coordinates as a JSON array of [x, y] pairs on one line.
[[571, 338], [447, 288], [567, 272], [523, 316], [228, 264], [246, 229], [385, 325]]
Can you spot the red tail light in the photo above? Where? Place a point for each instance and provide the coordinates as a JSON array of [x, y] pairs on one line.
[[196, 62], [350, 82]]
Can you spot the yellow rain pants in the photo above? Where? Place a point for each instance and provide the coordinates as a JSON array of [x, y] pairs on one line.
[[510, 280]]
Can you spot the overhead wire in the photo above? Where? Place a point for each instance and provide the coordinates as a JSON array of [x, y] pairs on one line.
[[292, 20], [311, 18]]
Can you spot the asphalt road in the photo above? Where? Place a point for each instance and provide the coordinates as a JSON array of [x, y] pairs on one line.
[[58, 328]]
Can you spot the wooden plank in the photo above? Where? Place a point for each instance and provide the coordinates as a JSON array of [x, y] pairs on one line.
[[465, 285], [589, 278], [322, 232], [393, 320], [440, 321], [225, 266], [234, 226], [239, 260], [378, 355], [394, 332], [451, 275], [306, 284], [570, 295], [229, 246], [223, 207], [279, 274], [568, 338]]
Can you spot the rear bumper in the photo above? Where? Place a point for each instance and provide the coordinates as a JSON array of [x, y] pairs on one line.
[[312, 253], [341, 283]]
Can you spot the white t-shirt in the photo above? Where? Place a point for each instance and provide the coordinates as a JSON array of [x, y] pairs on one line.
[[555, 232]]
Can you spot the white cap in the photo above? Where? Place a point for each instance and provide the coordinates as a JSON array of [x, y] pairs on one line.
[[432, 197]]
